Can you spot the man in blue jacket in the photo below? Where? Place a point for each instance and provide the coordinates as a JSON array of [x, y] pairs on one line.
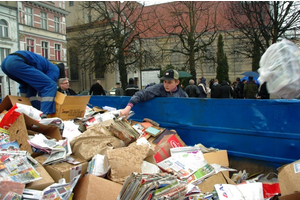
[[169, 88], [36, 75]]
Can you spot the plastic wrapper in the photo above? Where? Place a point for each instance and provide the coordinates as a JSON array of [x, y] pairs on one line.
[[280, 68]]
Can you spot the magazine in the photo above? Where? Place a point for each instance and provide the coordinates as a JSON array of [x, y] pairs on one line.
[[185, 162], [19, 170]]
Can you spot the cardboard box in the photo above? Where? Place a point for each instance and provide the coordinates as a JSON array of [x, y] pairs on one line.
[[41, 184], [9, 101], [19, 131], [69, 107], [295, 196], [93, 187], [64, 170], [289, 178], [162, 150], [220, 178], [218, 157]]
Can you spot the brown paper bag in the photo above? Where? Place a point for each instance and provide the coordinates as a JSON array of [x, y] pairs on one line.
[[124, 161], [92, 142]]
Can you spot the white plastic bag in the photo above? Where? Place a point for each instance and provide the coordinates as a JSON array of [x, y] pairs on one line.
[[29, 111], [250, 191], [280, 68]]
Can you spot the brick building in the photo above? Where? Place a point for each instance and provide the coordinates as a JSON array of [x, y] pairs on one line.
[[39, 27]]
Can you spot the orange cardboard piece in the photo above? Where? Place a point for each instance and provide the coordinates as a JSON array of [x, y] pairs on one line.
[[289, 178], [69, 107], [19, 131], [218, 157], [9, 101], [10, 186], [93, 187], [41, 184], [64, 170], [162, 150], [146, 124], [208, 184]]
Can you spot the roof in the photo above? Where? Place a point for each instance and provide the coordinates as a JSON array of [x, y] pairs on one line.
[[171, 17]]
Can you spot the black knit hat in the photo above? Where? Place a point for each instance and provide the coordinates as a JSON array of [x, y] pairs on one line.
[[131, 81], [61, 68]]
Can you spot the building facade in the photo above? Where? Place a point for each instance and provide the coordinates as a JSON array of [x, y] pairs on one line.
[[36, 26], [9, 42]]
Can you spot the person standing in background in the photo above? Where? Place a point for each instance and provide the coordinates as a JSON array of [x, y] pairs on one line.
[[215, 89], [64, 87], [202, 88], [192, 90], [239, 88], [37, 77], [131, 88], [119, 90], [263, 92], [97, 89], [250, 89], [225, 90]]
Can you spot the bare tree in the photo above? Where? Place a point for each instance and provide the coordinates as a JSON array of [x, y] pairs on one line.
[[110, 38], [261, 23], [192, 28]]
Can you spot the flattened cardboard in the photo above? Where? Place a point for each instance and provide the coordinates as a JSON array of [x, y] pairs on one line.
[[19, 131], [69, 107], [218, 157], [41, 184], [295, 196], [289, 178], [162, 150], [9, 101], [220, 178], [64, 170], [93, 187]]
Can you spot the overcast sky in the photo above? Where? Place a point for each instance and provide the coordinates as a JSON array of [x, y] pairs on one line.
[[147, 3]]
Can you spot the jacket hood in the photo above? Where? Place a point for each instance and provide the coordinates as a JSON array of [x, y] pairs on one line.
[[203, 80]]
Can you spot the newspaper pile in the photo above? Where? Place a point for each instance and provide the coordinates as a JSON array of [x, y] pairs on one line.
[[18, 166], [140, 186], [187, 163], [57, 151]]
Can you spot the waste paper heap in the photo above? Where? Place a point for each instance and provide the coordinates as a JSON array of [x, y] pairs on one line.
[[91, 153]]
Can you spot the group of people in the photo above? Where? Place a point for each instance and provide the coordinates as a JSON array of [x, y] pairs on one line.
[[238, 89], [38, 79], [130, 90]]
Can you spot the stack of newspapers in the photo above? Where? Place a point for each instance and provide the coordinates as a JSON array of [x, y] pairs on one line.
[[124, 131], [139, 186], [18, 166]]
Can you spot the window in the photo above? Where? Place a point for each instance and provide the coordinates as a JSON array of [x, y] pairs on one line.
[[44, 20], [3, 28], [3, 53], [30, 45], [28, 16], [45, 49], [74, 63], [71, 3], [56, 24], [57, 52], [100, 57]]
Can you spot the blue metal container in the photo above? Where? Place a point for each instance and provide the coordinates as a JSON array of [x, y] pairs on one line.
[[264, 130]]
